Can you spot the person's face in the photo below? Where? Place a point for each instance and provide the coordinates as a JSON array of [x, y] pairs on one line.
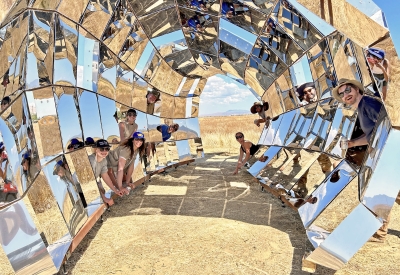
[[25, 165], [131, 117], [348, 94], [373, 59], [4, 105], [151, 98], [239, 137], [102, 152], [61, 172], [138, 142], [171, 129], [309, 94], [258, 109]]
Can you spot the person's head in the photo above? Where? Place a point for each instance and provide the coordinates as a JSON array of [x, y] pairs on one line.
[[312, 200], [271, 25], [173, 128], [26, 160], [116, 116], [89, 141], [153, 96], [131, 115], [375, 55], [5, 102], [101, 148], [239, 136], [335, 176], [136, 142], [307, 92], [74, 144], [59, 169], [29, 132], [258, 107], [349, 92], [2, 147]]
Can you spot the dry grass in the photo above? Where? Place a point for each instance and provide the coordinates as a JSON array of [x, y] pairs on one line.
[[218, 133]]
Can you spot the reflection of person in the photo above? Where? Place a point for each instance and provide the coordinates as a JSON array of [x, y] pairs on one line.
[[199, 4], [121, 160], [230, 9], [196, 24], [152, 97], [99, 165], [307, 93], [335, 177], [89, 141], [29, 170], [128, 127], [74, 144], [299, 202], [260, 109], [5, 102], [61, 171], [3, 161], [379, 68], [351, 92], [246, 147], [263, 158], [166, 131]]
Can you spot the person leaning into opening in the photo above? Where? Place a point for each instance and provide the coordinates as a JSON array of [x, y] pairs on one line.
[[128, 127], [166, 131], [121, 160], [99, 165], [246, 147], [260, 109], [379, 68], [307, 93]]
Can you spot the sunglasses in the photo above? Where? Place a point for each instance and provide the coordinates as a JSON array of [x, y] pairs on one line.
[[105, 149], [237, 137], [138, 139], [346, 91], [308, 90], [132, 114]]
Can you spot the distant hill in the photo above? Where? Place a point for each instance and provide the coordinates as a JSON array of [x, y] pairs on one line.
[[229, 113]]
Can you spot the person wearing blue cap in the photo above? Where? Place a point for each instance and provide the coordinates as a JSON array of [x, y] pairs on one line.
[[166, 131], [198, 4], [74, 144], [98, 162], [121, 160], [379, 68], [128, 127], [89, 141]]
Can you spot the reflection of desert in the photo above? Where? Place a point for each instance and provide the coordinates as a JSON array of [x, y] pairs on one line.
[[208, 221]]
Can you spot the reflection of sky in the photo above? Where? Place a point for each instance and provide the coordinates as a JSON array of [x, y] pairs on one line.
[[21, 239], [63, 71], [45, 107], [153, 121], [32, 77], [68, 119], [258, 165], [193, 124], [385, 179], [183, 147], [146, 56], [169, 38], [107, 111], [90, 115], [236, 36], [300, 72], [325, 193], [141, 121]]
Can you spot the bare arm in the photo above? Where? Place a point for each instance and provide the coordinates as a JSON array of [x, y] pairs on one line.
[[239, 161], [120, 174], [362, 140], [108, 181], [129, 172], [121, 131]]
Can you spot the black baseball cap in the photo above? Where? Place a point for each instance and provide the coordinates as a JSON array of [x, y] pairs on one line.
[[102, 143]]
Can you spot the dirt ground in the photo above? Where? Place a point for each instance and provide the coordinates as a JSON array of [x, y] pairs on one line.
[[200, 219]]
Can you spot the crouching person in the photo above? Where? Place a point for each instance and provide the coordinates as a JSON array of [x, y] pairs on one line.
[[121, 161], [99, 165]]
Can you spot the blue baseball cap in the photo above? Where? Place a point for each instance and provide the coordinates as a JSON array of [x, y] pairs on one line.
[[89, 141], [377, 52], [56, 166], [138, 135], [1, 145]]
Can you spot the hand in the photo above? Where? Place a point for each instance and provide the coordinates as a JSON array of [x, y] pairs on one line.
[[236, 171], [379, 65], [118, 192], [125, 191]]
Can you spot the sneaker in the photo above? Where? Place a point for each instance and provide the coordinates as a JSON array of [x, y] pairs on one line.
[[247, 165]]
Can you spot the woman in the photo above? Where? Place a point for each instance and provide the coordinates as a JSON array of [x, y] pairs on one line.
[[121, 160], [260, 109], [246, 147], [128, 127], [98, 162]]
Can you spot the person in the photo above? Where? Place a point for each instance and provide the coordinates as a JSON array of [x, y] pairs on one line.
[[89, 141], [128, 127], [74, 144], [379, 68], [167, 131], [370, 111], [121, 160], [246, 147], [307, 93], [152, 97], [5, 102], [29, 170], [98, 162], [230, 9], [260, 109], [199, 4], [196, 24]]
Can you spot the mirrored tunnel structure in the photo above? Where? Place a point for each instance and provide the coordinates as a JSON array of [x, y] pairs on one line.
[[72, 71]]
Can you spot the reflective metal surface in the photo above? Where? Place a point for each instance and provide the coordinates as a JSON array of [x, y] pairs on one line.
[[70, 70]]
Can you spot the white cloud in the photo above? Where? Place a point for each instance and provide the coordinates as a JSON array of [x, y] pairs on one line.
[[220, 90]]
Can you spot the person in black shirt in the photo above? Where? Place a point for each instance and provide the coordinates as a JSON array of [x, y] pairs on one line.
[[246, 147]]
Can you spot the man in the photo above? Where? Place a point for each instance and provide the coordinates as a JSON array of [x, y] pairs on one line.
[[307, 93], [166, 131], [260, 109], [370, 112]]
